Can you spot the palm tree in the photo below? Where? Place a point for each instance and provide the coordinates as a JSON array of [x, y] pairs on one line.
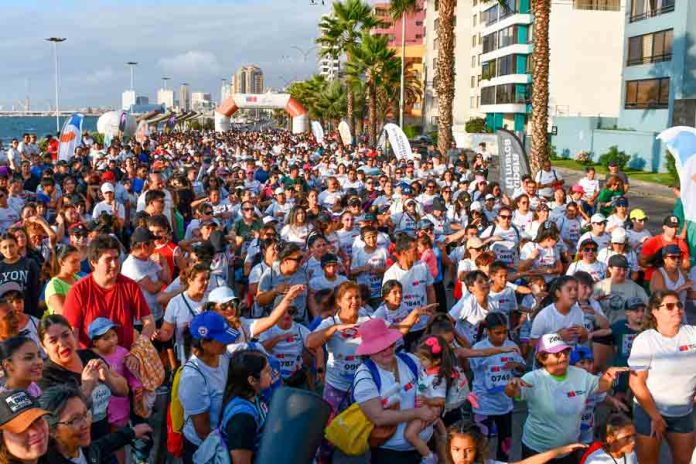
[[389, 88], [370, 61], [342, 32], [331, 103], [541, 9], [444, 76], [399, 9]]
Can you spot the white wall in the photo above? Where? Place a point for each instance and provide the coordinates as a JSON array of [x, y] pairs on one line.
[[586, 61]]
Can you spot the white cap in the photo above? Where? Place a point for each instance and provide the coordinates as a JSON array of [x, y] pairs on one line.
[[597, 218], [490, 197], [618, 235], [476, 206], [279, 191], [107, 187], [267, 219], [222, 295]]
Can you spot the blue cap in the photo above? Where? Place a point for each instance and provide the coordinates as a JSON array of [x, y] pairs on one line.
[[425, 224], [211, 325], [99, 327], [407, 190], [580, 353]]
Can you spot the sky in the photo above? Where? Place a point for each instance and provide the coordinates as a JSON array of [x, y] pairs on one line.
[[194, 41]]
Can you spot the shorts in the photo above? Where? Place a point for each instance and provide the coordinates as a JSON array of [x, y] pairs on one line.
[[679, 424]]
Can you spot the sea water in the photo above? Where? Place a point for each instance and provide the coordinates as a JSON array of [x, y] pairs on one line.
[[13, 127]]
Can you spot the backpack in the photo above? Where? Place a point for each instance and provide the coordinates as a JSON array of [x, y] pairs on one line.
[[372, 367], [214, 450], [175, 414]]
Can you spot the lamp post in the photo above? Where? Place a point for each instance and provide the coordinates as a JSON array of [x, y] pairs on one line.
[[56, 41], [131, 65]]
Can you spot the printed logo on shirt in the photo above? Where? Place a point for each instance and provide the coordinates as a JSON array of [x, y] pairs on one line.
[[690, 347], [575, 393]]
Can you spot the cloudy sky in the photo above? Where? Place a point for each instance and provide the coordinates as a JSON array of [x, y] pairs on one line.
[[194, 41]]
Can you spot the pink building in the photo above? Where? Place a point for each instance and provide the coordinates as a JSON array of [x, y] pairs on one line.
[[415, 25]]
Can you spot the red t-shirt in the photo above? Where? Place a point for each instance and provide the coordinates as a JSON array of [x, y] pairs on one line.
[[123, 303], [167, 252], [655, 244]]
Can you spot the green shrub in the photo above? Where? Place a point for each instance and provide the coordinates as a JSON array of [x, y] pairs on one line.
[[475, 126], [614, 154], [410, 131], [584, 157], [671, 166], [433, 136]]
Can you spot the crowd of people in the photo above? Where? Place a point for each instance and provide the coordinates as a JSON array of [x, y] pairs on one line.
[[214, 268]]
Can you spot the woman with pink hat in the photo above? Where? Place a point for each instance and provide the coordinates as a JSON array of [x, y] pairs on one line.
[[555, 394], [389, 378]]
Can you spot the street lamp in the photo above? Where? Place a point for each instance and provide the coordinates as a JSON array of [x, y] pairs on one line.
[[56, 41], [131, 65]]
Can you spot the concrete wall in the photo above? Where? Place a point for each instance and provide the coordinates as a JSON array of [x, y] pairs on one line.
[[577, 134]]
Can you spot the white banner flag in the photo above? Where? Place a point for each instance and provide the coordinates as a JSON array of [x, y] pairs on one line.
[[399, 142], [70, 136], [681, 142], [318, 131]]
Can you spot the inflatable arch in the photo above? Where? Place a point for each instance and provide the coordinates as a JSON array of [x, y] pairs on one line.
[[265, 100]]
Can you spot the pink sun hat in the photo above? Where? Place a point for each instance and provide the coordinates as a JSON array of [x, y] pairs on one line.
[[376, 337]]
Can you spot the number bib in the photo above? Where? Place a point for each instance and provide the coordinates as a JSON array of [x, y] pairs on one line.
[[496, 378]]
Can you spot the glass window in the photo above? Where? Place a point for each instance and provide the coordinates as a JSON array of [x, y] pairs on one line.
[[488, 95], [650, 48], [647, 94]]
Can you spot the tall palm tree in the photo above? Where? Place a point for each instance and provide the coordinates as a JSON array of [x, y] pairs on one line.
[[331, 103], [399, 9], [370, 61], [341, 32], [444, 76], [541, 9]]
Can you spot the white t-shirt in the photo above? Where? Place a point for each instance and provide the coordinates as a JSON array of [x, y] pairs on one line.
[[506, 250], [570, 230], [415, 283], [491, 377], [364, 389], [549, 320], [320, 282], [180, 310], [376, 259], [296, 234], [589, 186], [547, 177], [468, 314], [138, 269], [597, 269], [636, 239], [289, 349], [546, 258], [504, 301], [104, 207], [523, 221], [600, 456], [671, 366], [342, 361], [8, 217], [555, 407], [346, 239]]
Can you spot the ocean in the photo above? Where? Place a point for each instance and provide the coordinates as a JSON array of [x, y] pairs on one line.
[[11, 127]]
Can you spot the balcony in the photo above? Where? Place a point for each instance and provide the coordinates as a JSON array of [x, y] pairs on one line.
[[649, 59]]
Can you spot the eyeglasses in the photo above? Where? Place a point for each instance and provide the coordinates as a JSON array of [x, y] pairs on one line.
[[247, 209], [77, 421], [505, 216], [671, 306], [673, 257], [590, 250]]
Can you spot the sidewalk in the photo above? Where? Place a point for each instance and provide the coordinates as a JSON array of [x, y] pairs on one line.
[[638, 187]]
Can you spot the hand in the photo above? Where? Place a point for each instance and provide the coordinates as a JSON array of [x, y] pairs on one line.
[[570, 448], [282, 288], [568, 335], [295, 291], [534, 253], [142, 431], [427, 414], [132, 364], [518, 383], [613, 372], [340, 327], [658, 427], [509, 349], [90, 373]]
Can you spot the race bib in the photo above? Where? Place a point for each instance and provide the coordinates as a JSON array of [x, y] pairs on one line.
[[627, 343], [496, 378]]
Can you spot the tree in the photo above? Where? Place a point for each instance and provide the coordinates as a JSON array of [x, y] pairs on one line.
[[444, 77], [331, 103], [399, 9], [541, 9], [341, 32], [371, 61]]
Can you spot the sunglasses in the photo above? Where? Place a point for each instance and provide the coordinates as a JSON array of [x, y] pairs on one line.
[[673, 256], [671, 306], [590, 250], [247, 209], [505, 216]]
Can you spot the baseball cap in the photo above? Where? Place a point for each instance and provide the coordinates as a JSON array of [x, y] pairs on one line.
[[620, 201], [141, 235], [587, 242], [635, 303], [489, 196], [618, 261], [212, 325], [221, 295], [638, 214], [9, 287], [99, 327], [268, 219], [407, 190], [410, 200], [425, 224], [279, 191], [580, 353], [107, 187], [329, 258], [671, 250], [18, 410], [369, 217], [78, 229], [476, 206], [551, 343], [474, 242], [439, 204], [618, 235], [671, 221], [577, 188], [598, 218]]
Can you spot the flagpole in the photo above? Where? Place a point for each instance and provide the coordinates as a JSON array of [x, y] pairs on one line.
[[56, 41]]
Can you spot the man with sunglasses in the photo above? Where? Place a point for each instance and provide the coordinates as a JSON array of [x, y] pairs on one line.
[[503, 238], [651, 254], [285, 273]]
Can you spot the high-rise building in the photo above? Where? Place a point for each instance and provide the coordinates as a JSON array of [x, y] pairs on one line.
[[165, 97], [414, 48], [201, 101], [185, 97], [329, 67], [248, 79], [127, 99], [493, 61]]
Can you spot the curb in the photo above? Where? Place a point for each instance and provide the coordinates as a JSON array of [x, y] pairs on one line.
[[647, 188]]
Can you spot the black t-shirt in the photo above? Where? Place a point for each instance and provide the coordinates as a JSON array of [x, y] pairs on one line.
[[54, 374], [241, 432], [25, 273]]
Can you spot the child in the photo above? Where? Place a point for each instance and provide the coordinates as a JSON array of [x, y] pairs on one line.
[[493, 414], [618, 439], [594, 318], [397, 314], [467, 445], [368, 264], [427, 255], [436, 358], [530, 305], [328, 277], [581, 357], [105, 343]]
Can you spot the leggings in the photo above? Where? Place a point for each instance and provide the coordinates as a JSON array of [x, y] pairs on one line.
[[503, 426], [189, 450]]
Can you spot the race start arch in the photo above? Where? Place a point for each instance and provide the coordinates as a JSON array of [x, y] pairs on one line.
[[262, 101]]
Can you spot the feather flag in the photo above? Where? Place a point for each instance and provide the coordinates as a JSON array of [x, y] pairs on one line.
[[70, 136], [681, 142]]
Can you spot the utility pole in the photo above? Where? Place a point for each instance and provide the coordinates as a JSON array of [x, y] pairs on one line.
[[56, 41]]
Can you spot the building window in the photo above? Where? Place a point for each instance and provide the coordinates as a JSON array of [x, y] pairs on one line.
[[419, 23], [419, 36], [472, 102], [504, 94], [473, 60], [647, 94], [488, 95], [473, 40], [650, 48], [474, 18], [642, 9], [603, 5], [473, 81], [500, 39]]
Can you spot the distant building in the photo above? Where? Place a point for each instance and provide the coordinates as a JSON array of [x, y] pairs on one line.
[[202, 102], [248, 79], [142, 100], [184, 97], [128, 99], [225, 91], [329, 67], [165, 97], [414, 48]]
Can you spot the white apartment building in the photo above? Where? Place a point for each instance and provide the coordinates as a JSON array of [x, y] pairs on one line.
[[165, 97]]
